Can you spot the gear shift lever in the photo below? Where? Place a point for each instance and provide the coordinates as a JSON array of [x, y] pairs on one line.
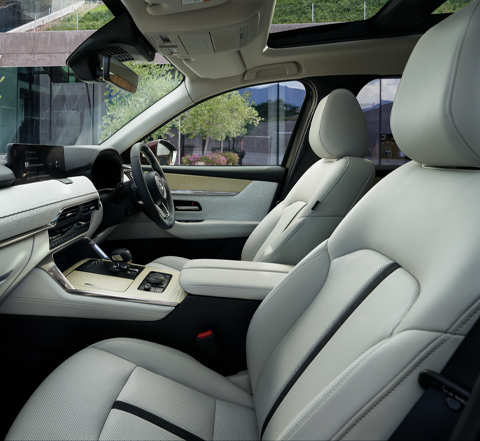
[[122, 257]]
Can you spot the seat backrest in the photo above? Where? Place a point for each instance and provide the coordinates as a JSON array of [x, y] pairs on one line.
[[326, 192], [397, 285]]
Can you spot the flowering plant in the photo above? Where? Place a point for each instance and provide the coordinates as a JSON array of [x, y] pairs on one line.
[[214, 159], [190, 159], [231, 157], [210, 159]]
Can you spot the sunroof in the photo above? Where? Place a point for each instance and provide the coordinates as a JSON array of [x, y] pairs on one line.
[[325, 11], [451, 6]]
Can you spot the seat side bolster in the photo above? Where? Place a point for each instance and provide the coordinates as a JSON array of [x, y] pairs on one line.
[[282, 307]]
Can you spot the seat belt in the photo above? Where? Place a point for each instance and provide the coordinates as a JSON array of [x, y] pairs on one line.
[[434, 415]]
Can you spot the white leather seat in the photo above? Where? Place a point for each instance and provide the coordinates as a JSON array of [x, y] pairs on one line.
[[390, 293], [324, 194]]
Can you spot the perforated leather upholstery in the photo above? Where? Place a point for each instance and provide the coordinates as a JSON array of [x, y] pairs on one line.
[[390, 293], [333, 185]]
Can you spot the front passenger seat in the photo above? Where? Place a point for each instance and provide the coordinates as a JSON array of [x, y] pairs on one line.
[[323, 195]]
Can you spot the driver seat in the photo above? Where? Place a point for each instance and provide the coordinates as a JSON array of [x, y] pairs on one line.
[[323, 195]]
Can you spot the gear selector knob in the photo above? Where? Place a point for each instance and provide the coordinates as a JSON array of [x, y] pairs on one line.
[[123, 257]]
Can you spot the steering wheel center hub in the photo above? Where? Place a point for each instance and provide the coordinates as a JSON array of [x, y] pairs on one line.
[[160, 185]]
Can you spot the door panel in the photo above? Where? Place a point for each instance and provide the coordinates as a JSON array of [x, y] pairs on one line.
[[178, 183]]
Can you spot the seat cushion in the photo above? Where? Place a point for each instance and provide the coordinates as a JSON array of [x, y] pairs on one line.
[[169, 262], [132, 389]]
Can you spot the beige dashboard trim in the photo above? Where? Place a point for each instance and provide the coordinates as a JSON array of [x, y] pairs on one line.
[[94, 285], [206, 183]]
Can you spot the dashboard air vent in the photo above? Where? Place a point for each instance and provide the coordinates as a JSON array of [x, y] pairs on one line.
[[87, 207], [68, 213]]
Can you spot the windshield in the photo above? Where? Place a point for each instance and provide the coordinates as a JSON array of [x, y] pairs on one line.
[[41, 100]]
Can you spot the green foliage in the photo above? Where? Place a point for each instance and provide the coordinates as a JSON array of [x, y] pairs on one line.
[[231, 157], [155, 82], [225, 116], [87, 20], [332, 11], [325, 11], [451, 6]]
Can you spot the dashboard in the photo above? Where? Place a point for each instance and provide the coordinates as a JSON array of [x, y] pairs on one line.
[[30, 164], [50, 196]]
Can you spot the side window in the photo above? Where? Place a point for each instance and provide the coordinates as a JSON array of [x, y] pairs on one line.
[[250, 126], [376, 100]]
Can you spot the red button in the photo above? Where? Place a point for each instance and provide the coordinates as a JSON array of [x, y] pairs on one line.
[[205, 334]]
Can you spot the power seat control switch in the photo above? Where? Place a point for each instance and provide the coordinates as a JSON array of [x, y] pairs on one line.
[[155, 282]]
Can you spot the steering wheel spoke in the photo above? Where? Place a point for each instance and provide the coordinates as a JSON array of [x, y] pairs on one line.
[[152, 188]]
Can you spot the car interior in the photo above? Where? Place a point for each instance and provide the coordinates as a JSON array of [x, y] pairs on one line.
[[327, 295]]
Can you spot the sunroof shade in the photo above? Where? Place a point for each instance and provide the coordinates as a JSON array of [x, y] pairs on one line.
[[325, 11]]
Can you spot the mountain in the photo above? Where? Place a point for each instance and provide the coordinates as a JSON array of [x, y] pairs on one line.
[[261, 94]]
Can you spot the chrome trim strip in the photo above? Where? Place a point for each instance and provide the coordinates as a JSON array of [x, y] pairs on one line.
[[120, 298], [55, 220], [22, 236], [52, 270], [202, 193]]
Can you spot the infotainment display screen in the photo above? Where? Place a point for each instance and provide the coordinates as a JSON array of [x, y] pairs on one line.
[[34, 163]]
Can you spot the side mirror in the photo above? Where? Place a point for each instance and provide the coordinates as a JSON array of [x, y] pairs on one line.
[[166, 152], [116, 73]]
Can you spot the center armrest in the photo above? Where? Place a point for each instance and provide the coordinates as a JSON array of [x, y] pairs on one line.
[[232, 278]]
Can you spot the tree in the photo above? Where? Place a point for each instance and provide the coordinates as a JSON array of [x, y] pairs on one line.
[[155, 81], [224, 116]]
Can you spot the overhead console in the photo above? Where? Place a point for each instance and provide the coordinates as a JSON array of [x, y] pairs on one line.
[[225, 39]]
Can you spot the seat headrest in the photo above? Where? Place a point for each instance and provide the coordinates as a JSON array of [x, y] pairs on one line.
[[338, 127], [436, 114]]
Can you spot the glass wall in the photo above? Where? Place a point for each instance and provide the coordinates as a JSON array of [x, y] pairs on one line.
[[376, 100], [48, 105]]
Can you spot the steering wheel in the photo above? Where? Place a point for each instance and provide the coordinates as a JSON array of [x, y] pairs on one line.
[[155, 196]]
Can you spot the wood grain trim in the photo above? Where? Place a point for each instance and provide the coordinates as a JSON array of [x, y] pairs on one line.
[[125, 288], [206, 183]]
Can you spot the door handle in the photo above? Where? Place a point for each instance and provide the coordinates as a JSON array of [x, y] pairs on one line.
[[187, 206]]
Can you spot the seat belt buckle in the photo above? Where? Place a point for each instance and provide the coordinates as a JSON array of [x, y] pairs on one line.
[[210, 350], [428, 378]]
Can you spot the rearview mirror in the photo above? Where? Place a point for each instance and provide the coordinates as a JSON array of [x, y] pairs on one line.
[[119, 75]]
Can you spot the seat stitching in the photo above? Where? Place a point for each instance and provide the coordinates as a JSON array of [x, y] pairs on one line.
[[347, 165], [352, 370], [214, 418], [284, 242], [142, 343], [402, 380], [448, 102], [321, 123], [372, 172], [116, 398], [48, 205], [297, 268]]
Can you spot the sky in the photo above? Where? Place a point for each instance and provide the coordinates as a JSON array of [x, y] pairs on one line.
[[369, 96]]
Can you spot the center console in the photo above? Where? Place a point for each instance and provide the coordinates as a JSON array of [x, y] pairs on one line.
[[96, 277], [85, 270]]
